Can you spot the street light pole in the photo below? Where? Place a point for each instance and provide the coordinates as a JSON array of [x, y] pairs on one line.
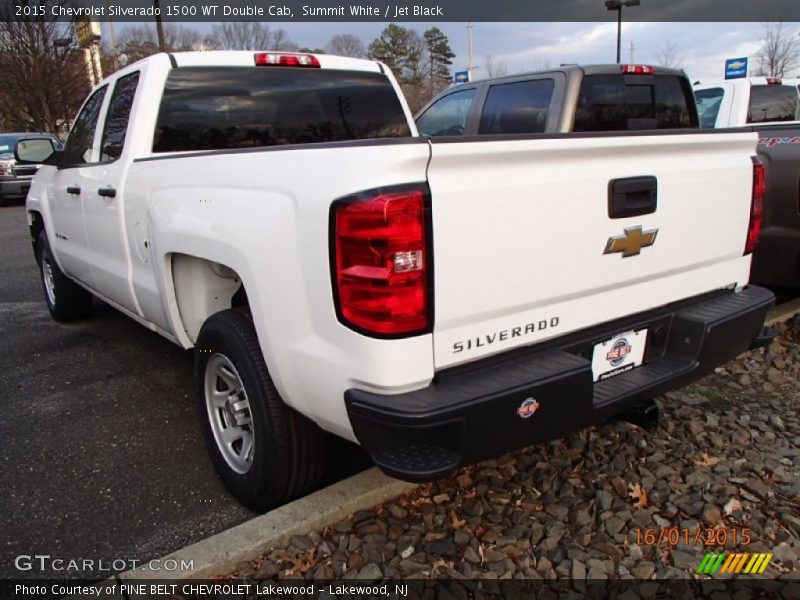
[[159, 27], [617, 6]]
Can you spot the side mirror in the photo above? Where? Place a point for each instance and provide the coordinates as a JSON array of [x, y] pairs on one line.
[[54, 160], [33, 150]]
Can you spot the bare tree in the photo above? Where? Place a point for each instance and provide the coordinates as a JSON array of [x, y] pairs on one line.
[[42, 75], [347, 44], [182, 37], [244, 35], [494, 69], [779, 54], [280, 41], [668, 56], [541, 63], [139, 42]]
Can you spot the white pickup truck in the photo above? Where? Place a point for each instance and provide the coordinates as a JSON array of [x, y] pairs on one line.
[[438, 301], [771, 106]]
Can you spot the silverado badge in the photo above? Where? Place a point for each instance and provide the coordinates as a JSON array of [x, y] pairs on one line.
[[632, 242]]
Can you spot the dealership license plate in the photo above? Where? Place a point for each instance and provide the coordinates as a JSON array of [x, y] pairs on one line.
[[621, 353]]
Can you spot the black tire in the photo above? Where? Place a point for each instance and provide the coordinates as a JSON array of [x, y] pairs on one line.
[[288, 452], [68, 301]]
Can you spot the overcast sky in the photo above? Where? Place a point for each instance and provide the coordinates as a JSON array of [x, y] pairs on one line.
[[703, 47]]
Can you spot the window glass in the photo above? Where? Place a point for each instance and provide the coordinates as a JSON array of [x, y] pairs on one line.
[[81, 138], [519, 107], [629, 102], [7, 144], [708, 104], [119, 111], [214, 108], [34, 150], [448, 116], [773, 103]]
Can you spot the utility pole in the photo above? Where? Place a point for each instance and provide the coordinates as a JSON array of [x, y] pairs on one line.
[[159, 27], [632, 48], [469, 50], [112, 36]]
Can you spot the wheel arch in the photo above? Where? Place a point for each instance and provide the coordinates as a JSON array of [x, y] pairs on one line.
[[36, 226], [199, 288]]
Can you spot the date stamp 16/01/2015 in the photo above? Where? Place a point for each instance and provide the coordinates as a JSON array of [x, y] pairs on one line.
[[699, 536]]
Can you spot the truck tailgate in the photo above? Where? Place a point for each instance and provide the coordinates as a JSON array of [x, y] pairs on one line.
[[521, 229]]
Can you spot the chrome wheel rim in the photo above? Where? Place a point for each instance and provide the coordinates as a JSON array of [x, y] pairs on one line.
[[49, 284], [229, 414]]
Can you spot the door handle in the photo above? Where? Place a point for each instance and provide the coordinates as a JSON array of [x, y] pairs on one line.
[[108, 192], [632, 197], [73, 189]]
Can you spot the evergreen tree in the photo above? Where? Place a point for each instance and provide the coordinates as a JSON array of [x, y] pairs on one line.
[[440, 57], [392, 48]]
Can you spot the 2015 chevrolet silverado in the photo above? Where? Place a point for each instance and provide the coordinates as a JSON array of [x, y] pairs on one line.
[[438, 301]]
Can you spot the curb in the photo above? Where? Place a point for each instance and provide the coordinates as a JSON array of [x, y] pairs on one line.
[[222, 553], [783, 312]]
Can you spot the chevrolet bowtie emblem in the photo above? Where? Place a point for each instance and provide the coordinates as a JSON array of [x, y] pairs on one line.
[[632, 242]]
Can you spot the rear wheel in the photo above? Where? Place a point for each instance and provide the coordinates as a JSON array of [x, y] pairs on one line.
[[265, 452], [66, 300]]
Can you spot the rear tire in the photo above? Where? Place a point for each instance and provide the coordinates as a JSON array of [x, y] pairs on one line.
[[66, 300], [265, 452]]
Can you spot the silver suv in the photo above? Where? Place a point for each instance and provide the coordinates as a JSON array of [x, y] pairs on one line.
[[21, 155]]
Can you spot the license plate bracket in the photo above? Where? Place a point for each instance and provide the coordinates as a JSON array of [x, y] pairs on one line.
[[618, 354]]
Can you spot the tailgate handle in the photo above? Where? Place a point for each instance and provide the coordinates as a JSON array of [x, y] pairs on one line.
[[632, 197]]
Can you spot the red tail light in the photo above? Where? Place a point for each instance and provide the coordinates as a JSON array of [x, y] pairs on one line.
[[756, 206], [276, 59], [381, 262], [637, 70]]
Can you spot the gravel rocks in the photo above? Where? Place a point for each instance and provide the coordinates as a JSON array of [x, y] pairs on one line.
[[718, 473]]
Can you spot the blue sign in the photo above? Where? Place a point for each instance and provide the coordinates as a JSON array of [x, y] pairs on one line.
[[462, 77], [735, 68]]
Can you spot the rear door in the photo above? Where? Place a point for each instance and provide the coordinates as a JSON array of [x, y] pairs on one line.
[[523, 105]]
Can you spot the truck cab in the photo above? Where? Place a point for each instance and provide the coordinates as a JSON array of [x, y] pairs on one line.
[[751, 100], [771, 107]]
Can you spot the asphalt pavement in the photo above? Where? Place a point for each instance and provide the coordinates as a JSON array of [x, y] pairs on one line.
[[101, 454]]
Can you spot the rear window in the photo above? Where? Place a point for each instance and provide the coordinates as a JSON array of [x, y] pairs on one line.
[[708, 103], [218, 108], [773, 103], [617, 102], [519, 107]]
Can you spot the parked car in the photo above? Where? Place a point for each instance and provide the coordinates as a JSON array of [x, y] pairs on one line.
[[440, 301], [21, 155], [566, 99], [772, 108]]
